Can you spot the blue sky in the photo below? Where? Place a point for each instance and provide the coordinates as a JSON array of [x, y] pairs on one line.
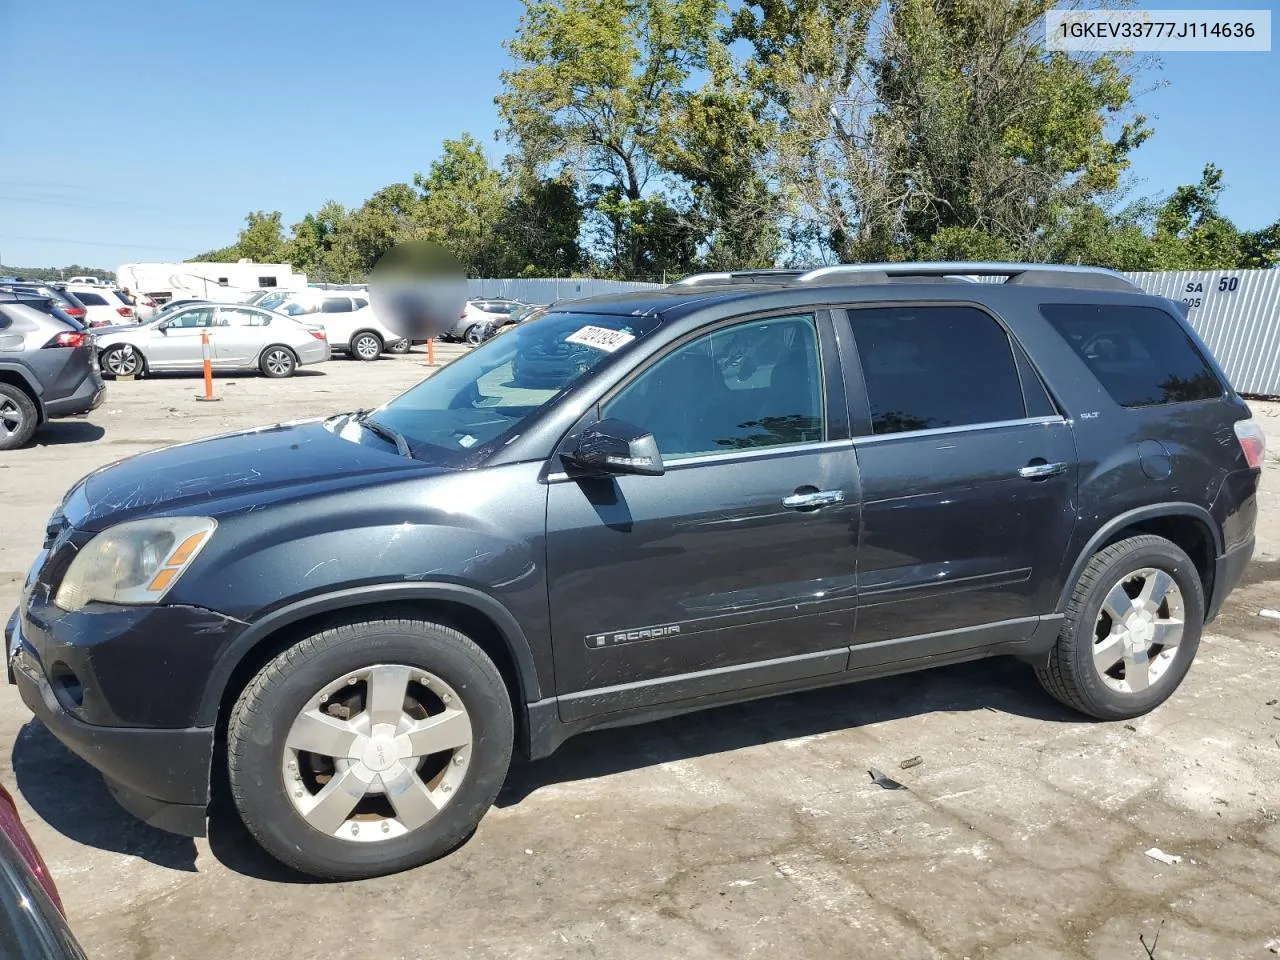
[[150, 129]]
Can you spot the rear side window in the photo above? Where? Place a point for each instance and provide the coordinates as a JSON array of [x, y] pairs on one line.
[[932, 367], [91, 299], [1141, 355], [361, 303], [336, 305]]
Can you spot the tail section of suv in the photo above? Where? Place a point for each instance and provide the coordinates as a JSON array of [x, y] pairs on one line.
[[48, 366], [735, 486]]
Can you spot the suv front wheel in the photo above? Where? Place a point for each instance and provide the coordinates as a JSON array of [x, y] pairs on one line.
[[370, 747], [1131, 630]]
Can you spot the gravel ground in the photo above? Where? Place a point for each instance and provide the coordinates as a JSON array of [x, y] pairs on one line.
[[738, 832]]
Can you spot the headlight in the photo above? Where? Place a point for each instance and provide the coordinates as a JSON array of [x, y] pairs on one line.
[[134, 562]]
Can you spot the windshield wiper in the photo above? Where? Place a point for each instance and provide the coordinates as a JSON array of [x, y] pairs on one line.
[[386, 433]]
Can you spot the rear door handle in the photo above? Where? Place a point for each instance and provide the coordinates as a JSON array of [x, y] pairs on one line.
[[807, 501], [1038, 471]]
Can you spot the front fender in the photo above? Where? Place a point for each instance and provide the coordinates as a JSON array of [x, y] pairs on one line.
[[372, 595]]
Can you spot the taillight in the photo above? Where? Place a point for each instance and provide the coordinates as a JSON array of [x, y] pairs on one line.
[[76, 312], [319, 334], [1252, 441], [68, 339], [125, 311]]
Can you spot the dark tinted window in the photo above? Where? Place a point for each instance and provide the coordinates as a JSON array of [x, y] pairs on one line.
[[758, 384], [361, 303], [336, 305], [266, 281], [90, 299], [1141, 355], [931, 367]]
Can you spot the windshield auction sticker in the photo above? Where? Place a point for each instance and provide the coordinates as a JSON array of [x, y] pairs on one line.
[[601, 338]]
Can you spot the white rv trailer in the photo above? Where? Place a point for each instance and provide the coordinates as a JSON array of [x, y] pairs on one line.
[[209, 281]]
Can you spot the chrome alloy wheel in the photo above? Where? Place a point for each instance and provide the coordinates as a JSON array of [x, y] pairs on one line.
[[367, 347], [122, 361], [11, 419], [1138, 630], [279, 362], [377, 753]]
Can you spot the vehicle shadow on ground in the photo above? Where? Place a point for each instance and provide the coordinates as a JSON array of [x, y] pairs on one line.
[[56, 433], [70, 796], [247, 374], [1002, 685]]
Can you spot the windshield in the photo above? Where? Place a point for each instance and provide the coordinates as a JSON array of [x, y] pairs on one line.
[[484, 397]]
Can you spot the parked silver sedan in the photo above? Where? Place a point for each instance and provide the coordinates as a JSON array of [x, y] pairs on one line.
[[240, 338]]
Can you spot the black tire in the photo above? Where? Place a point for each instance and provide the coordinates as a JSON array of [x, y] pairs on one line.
[[115, 361], [1069, 674], [264, 712], [19, 417], [360, 340], [278, 361], [474, 334], [400, 347]]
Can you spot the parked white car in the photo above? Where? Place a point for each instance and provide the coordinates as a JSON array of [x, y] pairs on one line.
[[353, 327], [240, 338], [90, 280], [103, 306]]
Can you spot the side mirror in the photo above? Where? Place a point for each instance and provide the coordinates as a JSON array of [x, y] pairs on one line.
[[617, 447], [162, 326]]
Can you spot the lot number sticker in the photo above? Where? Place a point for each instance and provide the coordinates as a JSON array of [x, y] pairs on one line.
[[601, 338]]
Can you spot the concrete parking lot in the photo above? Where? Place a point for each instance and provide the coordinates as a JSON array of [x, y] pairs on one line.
[[749, 831]]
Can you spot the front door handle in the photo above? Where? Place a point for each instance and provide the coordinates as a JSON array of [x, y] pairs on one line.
[[809, 501], [1040, 470]]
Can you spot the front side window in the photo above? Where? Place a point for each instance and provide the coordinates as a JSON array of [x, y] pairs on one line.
[[758, 384], [484, 396], [192, 319], [1141, 355], [938, 366]]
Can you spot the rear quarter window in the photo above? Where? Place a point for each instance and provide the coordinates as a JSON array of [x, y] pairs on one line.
[[1141, 355]]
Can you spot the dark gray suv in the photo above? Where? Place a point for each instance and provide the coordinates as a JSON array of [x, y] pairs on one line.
[[48, 366], [735, 486]]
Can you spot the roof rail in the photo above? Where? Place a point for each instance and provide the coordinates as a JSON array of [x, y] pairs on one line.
[[1022, 274], [738, 276]]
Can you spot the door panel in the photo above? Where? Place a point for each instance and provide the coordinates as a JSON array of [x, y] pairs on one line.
[[707, 555], [968, 501], [953, 535], [179, 344], [241, 335], [704, 578]]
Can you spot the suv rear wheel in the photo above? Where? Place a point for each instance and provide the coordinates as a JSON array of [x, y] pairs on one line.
[[366, 346], [18, 417], [369, 748], [1131, 630]]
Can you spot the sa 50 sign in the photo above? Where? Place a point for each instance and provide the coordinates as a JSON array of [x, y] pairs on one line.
[[1193, 292]]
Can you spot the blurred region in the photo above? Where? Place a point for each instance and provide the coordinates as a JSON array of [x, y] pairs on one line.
[[418, 289]]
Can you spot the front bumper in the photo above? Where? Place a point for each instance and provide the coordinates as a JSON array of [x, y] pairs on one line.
[[121, 687], [159, 776]]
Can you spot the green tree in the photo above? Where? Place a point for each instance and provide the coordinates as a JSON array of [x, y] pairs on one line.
[[463, 205], [540, 231], [262, 239], [597, 86]]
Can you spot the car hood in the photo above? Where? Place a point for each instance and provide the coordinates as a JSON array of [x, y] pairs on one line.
[[234, 472]]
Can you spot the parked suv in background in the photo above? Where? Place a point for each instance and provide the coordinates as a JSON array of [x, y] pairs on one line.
[[103, 306], [61, 297], [743, 485], [349, 320], [48, 367]]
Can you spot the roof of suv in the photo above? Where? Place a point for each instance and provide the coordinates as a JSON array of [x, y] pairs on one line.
[[855, 282]]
